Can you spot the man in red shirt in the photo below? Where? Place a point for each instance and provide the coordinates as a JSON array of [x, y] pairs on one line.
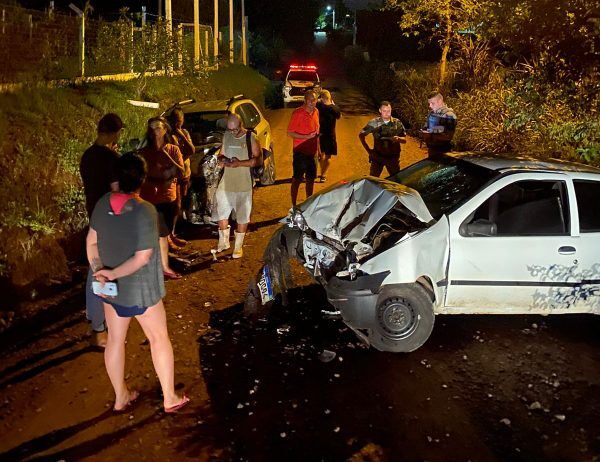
[[304, 129]]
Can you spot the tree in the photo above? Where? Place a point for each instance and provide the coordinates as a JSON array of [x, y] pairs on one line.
[[438, 19]]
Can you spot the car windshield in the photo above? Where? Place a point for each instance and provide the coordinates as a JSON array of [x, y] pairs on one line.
[[303, 75], [444, 183], [200, 124]]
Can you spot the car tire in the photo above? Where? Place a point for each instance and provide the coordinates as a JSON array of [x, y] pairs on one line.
[[403, 319], [268, 176]]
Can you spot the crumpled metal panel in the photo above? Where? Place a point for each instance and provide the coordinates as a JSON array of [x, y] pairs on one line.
[[348, 210]]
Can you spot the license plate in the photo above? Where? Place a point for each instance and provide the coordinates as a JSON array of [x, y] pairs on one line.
[[265, 285]]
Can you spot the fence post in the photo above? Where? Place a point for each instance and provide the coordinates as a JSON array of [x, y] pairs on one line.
[[153, 45], [179, 46], [82, 45], [131, 50], [206, 53]]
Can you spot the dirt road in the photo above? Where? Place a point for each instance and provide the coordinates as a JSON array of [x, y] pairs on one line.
[[481, 389]]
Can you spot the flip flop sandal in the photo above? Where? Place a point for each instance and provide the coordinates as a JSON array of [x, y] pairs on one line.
[[173, 409]]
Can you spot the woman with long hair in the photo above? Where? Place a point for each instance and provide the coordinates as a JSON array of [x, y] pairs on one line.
[[165, 167], [122, 248]]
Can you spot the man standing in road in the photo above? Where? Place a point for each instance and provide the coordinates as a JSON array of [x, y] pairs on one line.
[[234, 193], [441, 123], [99, 175], [304, 129], [388, 132]]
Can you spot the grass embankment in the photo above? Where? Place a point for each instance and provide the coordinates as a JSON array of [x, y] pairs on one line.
[[43, 134]]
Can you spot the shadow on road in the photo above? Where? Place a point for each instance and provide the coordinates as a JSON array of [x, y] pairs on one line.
[[273, 398]]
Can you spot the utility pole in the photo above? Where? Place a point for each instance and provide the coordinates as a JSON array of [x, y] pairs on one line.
[[143, 17], [244, 43], [216, 34], [159, 14], [196, 34], [231, 31]]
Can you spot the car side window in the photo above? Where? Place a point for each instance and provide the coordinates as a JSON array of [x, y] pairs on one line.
[[522, 208], [250, 116], [588, 204]]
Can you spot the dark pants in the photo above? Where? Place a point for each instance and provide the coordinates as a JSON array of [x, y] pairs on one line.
[[433, 151], [392, 164]]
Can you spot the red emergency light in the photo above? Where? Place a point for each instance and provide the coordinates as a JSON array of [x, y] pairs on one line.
[[307, 67]]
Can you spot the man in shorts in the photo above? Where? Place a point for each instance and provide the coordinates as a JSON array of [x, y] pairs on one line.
[[388, 132], [99, 176], [304, 129], [234, 193]]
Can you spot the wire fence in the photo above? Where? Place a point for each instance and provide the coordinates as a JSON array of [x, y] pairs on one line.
[[46, 45]]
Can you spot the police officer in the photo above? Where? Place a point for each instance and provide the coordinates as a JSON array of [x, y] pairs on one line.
[[388, 132], [441, 124]]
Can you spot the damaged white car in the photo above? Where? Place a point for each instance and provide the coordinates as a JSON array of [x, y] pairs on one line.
[[459, 234]]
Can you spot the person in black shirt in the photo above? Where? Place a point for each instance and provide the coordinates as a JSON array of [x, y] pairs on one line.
[[329, 113], [99, 174]]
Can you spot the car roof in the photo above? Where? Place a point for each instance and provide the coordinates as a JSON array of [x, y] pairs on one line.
[[507, 162], [206, 106], [219, 105]]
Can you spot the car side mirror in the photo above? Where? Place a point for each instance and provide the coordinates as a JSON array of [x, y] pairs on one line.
[[481, 227]]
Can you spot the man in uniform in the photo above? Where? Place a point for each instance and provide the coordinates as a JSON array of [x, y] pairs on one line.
[[388, 132], [441, 123]]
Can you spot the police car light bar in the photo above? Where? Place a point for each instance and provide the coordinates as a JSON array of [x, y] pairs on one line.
[[308, 67]]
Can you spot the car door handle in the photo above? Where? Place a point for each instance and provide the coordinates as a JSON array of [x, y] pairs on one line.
[[566, 250]]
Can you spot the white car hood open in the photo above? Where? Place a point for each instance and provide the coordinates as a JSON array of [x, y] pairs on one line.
[[348, 210]]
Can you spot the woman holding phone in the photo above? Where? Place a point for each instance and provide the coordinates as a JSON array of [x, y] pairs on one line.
[[122, 248]]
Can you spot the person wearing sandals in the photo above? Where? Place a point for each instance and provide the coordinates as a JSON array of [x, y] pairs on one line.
[[181, 138], [122, 247], [165, 167], [329, 113]]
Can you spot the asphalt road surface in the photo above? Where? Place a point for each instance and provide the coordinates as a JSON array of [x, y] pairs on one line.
[[298, 386]]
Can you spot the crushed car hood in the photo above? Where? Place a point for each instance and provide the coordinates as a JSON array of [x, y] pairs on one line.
[[348, 210]]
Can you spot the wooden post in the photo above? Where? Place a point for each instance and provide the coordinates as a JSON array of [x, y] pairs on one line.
[[30, 27], [216, 35], [244, 45], [170, 41], [231, 43], [206, 53], [3, 21], [196, 34], [82, 45], [179, 46], [153, 45], [131, 50]]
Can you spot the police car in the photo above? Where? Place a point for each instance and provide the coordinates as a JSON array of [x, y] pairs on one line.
[[300, 79]]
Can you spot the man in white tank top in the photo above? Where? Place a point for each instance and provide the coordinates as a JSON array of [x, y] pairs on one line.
[[234, 192]]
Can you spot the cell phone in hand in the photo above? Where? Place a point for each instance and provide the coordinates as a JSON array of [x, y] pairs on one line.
[[108, 289]]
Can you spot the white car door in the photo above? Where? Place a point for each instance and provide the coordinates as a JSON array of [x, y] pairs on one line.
[[511, 249], [587, 229]]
